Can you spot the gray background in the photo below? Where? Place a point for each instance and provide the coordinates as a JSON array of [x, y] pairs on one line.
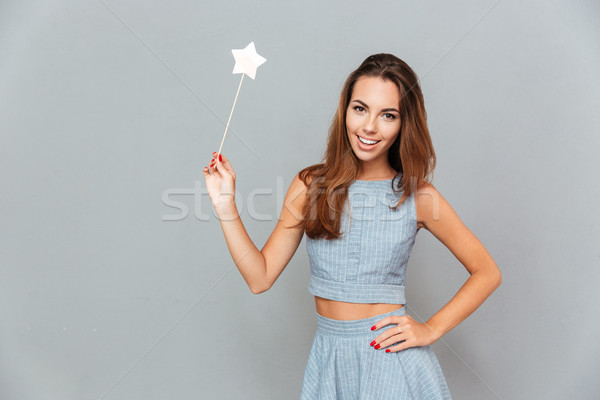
[[110, 109]]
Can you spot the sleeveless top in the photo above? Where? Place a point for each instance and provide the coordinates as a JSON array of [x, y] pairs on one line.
[[367, 264]]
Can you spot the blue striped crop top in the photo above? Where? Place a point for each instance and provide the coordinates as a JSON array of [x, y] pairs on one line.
[[367, 264]]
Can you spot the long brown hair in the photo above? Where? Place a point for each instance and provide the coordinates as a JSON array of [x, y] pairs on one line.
[[411, 153]]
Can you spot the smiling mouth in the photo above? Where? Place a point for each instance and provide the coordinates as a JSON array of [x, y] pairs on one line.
[[367, 141]]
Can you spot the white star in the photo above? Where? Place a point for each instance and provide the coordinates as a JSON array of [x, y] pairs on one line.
[[247, 60]]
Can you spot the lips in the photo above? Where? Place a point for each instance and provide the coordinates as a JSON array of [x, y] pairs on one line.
[[364, 146], [370, 140]]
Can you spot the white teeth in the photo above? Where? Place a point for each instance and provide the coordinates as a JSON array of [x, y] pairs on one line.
[[367, 141]]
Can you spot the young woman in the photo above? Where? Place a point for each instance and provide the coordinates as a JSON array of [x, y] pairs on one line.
[[361, 210]]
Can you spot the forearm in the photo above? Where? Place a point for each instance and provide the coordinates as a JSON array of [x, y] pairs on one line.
[[246, 256], [471, 295]]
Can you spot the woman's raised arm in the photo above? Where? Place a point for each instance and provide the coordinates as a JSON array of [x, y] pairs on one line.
[[260, 269], [284, 241]]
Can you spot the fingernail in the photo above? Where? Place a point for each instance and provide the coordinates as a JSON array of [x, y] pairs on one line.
[[212, 160], [372, 343], [373, 328], [378, 346], [387, 350], [220, 158]]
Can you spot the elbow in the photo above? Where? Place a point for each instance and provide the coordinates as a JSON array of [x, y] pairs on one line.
[[259, 289], [256, 290], [492, 277], [497, 278]]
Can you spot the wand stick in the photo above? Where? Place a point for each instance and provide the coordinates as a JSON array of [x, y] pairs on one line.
[[230, 114], [247, 60]]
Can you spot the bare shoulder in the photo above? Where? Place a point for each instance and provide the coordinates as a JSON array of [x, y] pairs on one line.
[[433, 210], [436, 215], [298, 184], [426, 199], [294, 199]]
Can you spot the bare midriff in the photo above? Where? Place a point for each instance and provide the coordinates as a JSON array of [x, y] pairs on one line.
[[342, 310]]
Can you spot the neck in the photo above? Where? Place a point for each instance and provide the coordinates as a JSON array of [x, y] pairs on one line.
[[376, 175]]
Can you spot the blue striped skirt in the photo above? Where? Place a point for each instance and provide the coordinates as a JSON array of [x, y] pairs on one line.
[[343, 365]]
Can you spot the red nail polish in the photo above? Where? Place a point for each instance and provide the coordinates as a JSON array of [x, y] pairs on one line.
[[373, 328], [372, 343], [387, 350], [378, 346], [212, 160], [220, 158]]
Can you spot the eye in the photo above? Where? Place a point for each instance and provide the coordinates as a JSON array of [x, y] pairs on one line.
[[389, 116], [358, 108]]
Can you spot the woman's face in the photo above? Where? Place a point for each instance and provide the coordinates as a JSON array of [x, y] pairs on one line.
[[373, 114]]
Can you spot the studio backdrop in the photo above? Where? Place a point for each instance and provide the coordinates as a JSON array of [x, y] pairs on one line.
[[115, 278]]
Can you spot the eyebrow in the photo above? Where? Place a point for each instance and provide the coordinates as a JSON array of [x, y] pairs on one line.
[[366, 106]]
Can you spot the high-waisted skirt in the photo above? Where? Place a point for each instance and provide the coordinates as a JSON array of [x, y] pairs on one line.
[[342, 364]]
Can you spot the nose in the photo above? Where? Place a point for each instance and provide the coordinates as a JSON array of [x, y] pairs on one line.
[[370, 125]]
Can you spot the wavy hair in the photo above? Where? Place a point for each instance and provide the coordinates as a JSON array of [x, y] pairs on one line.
[[411, 155]]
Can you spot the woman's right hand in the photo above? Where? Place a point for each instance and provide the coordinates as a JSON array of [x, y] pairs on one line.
[[220, 182]]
